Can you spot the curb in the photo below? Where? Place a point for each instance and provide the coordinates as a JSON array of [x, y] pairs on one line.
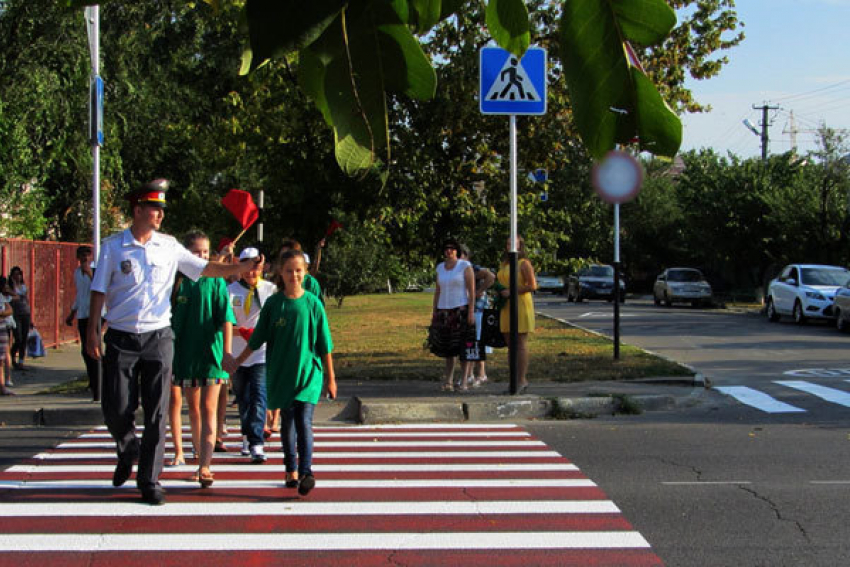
[[374, 411]]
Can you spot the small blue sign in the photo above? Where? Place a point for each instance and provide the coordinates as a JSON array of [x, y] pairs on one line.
[[539, 176], [509, 85], [96, 111]]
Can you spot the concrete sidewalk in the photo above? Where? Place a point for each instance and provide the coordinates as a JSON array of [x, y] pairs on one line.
[[368, 402]]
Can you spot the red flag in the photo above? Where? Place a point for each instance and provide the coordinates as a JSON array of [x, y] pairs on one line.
[[245, 332], [335, 225], [241, 205]]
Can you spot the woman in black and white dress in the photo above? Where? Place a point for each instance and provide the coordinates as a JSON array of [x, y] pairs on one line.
[[453, 312]]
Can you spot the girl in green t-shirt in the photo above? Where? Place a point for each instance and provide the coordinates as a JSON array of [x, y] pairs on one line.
[[294, 325], [202, 321]]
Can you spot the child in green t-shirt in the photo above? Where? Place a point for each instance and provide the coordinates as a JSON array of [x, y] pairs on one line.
[[202, 321], [294, 325]]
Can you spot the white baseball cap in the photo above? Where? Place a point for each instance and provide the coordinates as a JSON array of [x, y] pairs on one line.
[[249, 253], [306, 258]]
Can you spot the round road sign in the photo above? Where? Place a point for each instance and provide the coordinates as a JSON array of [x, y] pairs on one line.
[[618, 177]]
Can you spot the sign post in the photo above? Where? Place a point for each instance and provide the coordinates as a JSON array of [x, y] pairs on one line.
[[617, 179], [512, 85]]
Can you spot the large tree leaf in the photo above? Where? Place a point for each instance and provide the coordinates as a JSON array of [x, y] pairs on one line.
[[427, 13], [507, 21], [613, 101], [644, 22], [355, 92], [281, 26], [348, 71], [406, 68]]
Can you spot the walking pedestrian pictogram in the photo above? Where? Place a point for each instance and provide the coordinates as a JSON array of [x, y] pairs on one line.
[[510, 85]]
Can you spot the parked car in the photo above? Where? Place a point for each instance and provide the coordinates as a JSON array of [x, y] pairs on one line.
[[805, 291], [681, 285], [593, 282], [547, 281]]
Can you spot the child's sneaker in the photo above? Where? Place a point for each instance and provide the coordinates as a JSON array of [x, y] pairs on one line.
[[258, 455], [246, 447]]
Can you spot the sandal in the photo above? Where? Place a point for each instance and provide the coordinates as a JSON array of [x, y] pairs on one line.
[[205, 478], [447, 388], [292, 479], [176, 462], [195, 477]]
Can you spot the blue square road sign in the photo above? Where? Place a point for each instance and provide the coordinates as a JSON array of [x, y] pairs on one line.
[[509, 85]]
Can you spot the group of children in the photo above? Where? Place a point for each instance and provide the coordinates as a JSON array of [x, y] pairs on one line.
[[271, 338], [14, 327]]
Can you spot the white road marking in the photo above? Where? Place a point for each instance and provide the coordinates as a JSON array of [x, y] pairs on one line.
[[829, 394], [370, 435], [321, 542], [352, 444], [253, 484], [705, 482], [243, 467], [333, 455], [758, 400], [306, 508]]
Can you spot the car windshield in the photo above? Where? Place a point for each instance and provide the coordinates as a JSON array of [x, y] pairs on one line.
[[598, 272], [825, 276], [684, 276]]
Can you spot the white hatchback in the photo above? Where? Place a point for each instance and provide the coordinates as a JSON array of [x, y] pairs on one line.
[[805, 291]]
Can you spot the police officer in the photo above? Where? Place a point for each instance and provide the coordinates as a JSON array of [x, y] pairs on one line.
[[134, 277]]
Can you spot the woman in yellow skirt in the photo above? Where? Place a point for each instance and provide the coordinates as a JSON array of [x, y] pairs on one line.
[[526, 284]]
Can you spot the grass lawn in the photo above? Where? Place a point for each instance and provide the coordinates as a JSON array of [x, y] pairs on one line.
[[383, 337]]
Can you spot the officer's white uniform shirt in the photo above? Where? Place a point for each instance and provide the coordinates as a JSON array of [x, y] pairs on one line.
[[238, 296], [137, 279]]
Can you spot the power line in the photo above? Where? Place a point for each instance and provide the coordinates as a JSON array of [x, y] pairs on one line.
[[812, 92]]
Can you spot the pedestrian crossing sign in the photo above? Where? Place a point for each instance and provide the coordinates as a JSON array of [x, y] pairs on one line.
[[510, 85]]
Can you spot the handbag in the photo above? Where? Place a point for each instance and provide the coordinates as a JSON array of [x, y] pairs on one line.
[[491, 334], [35, 346]]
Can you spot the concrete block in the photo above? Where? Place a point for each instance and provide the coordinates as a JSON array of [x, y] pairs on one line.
[[374, 411], [513, 408], [581, 407]]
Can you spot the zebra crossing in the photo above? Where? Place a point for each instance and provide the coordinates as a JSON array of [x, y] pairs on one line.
[[428, 494], [767, 403]]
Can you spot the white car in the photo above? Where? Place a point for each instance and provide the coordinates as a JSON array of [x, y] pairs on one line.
[[681, 285], [550, 282], [805, 291]]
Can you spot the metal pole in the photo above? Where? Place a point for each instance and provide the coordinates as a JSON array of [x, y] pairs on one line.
[[92, 15], [514, 311], [616, 291], [260, 199]]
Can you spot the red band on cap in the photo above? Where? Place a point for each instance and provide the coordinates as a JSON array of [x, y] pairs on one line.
[[156, 196]]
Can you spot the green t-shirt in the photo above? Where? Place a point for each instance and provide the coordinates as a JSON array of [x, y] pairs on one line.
[[297, 334], [200, 310], [312, 285]]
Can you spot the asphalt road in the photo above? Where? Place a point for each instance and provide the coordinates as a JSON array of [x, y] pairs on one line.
[[709, 487], [730, 348]]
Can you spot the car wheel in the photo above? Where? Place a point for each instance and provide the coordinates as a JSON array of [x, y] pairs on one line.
[[696, 304], [799, 317], [656, 299], [579, 298], [772, 315], [667, 301]]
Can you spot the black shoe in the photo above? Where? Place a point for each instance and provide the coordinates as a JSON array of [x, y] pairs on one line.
[[306, 484], [154, 496], [123, 470], [219, 447]]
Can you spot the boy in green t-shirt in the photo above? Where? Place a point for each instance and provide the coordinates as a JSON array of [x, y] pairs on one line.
[[294, 325]]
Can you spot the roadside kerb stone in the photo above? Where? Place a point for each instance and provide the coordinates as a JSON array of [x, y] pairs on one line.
[[386, 410], [508, 408]]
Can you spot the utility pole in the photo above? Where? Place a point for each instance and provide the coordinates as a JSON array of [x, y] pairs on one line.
[[765, 138]]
